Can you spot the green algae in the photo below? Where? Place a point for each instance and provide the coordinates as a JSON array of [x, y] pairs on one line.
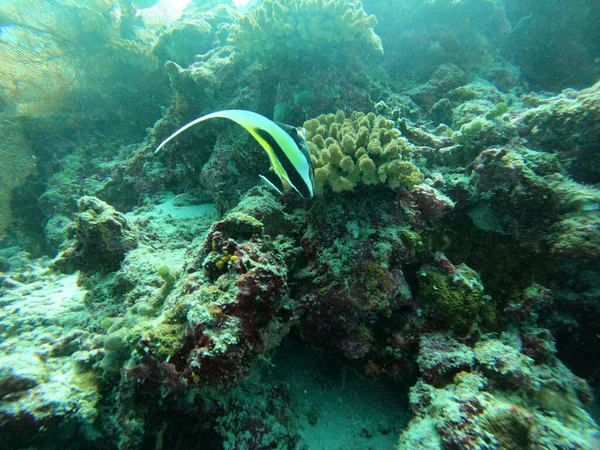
[[457, 306], [497, 111]]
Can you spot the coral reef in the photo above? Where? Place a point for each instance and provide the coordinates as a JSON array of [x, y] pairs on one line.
[[69, 76], [497, 398], [61, 59], [48, 387], [453, 296], [452, 245], [278, 27], [566, 124], [41, 45], [98, 239]]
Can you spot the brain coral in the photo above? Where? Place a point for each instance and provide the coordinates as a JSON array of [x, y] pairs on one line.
[[360, 149], [304, 24]]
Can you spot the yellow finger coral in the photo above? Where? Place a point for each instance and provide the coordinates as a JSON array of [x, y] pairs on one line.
[[346, 151], [281, 25]]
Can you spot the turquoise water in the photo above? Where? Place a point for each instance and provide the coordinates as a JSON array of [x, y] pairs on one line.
[[386, 235]]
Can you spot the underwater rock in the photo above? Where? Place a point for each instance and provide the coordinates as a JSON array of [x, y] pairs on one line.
[[229, 173], [441, 111], [195, 33], [267, 423], [56, 231], [453, 296], [445, 78], [567, 125], [422, 35], [504, 401], [12, 383], [48, 387], [353, 278], [538, 29], [239, 73], [577, 236], [525, 308], [229, 307], [183, 41], [204, 82], [517, 184], [98, 239], [438, 139], [209, 324], [436, 176], [480, 134], [525, 205], [481, 91], [427, 201], [441, 357], [397, 106]]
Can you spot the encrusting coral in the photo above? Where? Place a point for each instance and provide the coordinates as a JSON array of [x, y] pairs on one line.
[[98, 239], [229, 308], [286, 24], [361, 149], [454, 295], [462, 400]]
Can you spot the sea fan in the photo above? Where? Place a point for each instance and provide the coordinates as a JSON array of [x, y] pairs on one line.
[[44, 45]]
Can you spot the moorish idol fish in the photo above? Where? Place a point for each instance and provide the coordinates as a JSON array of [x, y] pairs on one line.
[[288, 153]]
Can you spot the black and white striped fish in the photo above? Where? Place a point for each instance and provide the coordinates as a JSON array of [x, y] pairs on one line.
[[288, 153]]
